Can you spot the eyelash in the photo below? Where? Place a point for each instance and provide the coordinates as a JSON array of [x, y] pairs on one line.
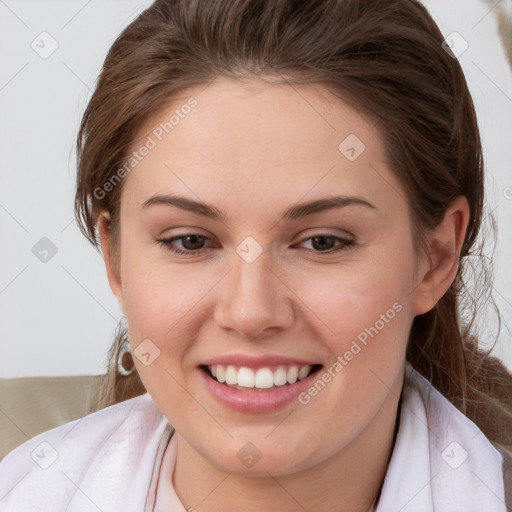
[[167, 243]]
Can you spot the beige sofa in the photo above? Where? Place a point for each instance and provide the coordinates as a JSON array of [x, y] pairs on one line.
[[31, 405]]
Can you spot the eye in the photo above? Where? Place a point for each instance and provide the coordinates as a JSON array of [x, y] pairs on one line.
[[322, 240], [192, 243], [192, 240]]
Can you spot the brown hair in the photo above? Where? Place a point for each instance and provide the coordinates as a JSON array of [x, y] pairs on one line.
[[385, 57]]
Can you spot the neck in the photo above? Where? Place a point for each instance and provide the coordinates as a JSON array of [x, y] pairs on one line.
[[350, 480]]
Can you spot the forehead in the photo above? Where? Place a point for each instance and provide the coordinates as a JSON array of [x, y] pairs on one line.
[[251, 138]]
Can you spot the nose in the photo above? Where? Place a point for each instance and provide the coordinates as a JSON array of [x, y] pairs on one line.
[[254, 300]]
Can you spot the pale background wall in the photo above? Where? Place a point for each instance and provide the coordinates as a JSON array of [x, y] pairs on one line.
[[58, 317]]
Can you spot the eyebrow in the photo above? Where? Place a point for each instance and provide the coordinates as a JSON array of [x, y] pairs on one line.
[[295, 212]]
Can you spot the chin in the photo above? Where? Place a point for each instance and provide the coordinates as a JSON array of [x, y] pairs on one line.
[[259, 458]]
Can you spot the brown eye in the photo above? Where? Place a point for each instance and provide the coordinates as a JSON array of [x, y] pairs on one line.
[[192, 244], [323, 243]]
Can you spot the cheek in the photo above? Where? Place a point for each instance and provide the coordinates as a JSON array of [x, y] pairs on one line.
[[345, 302], [161, 306], [161, 303], [158, 293]]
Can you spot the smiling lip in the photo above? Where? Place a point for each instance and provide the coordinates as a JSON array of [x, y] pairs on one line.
[[253, 400]]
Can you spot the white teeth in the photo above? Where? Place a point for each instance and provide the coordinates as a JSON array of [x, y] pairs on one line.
[[246, 377], [304, 372], [263, 378], [221, 374], [292, 374], [280, 376], [231, 375]]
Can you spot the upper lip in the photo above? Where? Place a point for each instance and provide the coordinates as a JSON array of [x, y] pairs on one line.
[[257, 361]]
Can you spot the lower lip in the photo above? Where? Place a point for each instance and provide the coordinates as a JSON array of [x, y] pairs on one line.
[[255, 400]]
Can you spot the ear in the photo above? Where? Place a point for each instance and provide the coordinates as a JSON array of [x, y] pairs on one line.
[[445, 247], [113, 274]]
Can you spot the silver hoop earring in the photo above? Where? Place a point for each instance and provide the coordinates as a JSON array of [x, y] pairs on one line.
[[125, 364]]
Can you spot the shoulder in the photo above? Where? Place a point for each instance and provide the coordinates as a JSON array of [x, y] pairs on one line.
[[445, 422], [88, 431], [441, 460], [51, 467], [442, 415], [463, 462]]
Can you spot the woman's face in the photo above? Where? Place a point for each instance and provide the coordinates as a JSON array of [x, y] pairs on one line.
[[267, 286]]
